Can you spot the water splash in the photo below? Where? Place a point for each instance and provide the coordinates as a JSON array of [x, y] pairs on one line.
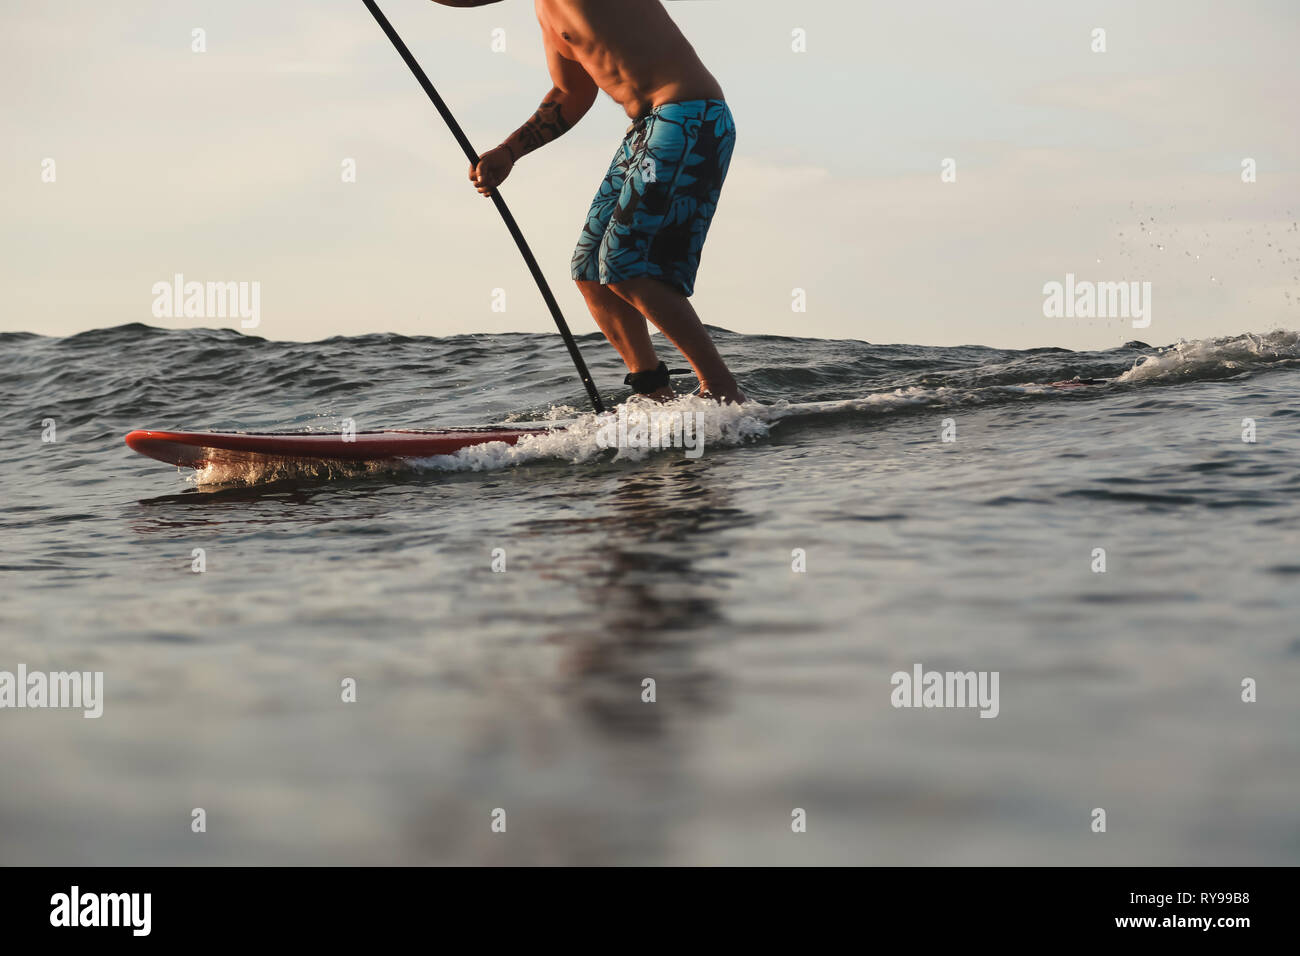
[[1216, 358]]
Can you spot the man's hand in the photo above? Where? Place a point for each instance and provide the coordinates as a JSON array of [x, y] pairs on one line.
[[492, 169]]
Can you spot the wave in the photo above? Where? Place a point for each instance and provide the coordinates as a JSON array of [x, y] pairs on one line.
[[1209, 359]]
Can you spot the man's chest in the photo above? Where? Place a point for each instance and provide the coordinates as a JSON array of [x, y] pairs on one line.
[[565, 26]]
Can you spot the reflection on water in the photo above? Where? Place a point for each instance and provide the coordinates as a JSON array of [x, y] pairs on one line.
[[650, 603]]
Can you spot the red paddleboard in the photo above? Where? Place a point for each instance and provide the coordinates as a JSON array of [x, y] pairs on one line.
[[199, 449]]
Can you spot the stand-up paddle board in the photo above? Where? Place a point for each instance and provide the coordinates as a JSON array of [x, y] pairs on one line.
[[200, 449]]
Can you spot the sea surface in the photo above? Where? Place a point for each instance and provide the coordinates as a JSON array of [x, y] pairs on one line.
[[517, 695]]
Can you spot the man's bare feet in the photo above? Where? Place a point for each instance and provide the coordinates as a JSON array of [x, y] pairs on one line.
[[724, 393]]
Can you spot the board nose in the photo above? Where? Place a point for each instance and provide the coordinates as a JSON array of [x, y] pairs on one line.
[[135, 439], [155, 444]]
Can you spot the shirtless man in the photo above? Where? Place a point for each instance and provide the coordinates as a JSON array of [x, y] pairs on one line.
[[640, 249]]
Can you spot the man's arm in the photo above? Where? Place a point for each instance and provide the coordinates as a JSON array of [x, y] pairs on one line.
[[568, 102]]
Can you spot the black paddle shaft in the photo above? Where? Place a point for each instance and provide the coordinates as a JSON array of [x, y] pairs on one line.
[[500, 203]]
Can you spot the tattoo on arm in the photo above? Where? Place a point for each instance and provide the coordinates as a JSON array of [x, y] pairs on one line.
[[548, 123]]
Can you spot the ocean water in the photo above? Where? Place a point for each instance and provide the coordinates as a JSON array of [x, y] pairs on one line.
[[480, 691]]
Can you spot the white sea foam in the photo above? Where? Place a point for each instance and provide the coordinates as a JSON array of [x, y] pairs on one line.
[[1201, 357], [912, 396], [577, 440]]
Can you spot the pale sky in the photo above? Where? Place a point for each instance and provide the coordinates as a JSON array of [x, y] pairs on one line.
[[226, 166]]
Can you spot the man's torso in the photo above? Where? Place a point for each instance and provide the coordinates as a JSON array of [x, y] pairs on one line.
[[631, 48]]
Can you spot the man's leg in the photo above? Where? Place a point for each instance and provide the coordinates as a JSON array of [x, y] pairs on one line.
[[673, 314], [625, 328]]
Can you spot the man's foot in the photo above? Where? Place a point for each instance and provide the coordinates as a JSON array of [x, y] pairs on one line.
[[727, 393], [661, 396]]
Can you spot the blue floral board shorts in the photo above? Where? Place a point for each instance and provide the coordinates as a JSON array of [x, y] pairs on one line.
[[652, 212]]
